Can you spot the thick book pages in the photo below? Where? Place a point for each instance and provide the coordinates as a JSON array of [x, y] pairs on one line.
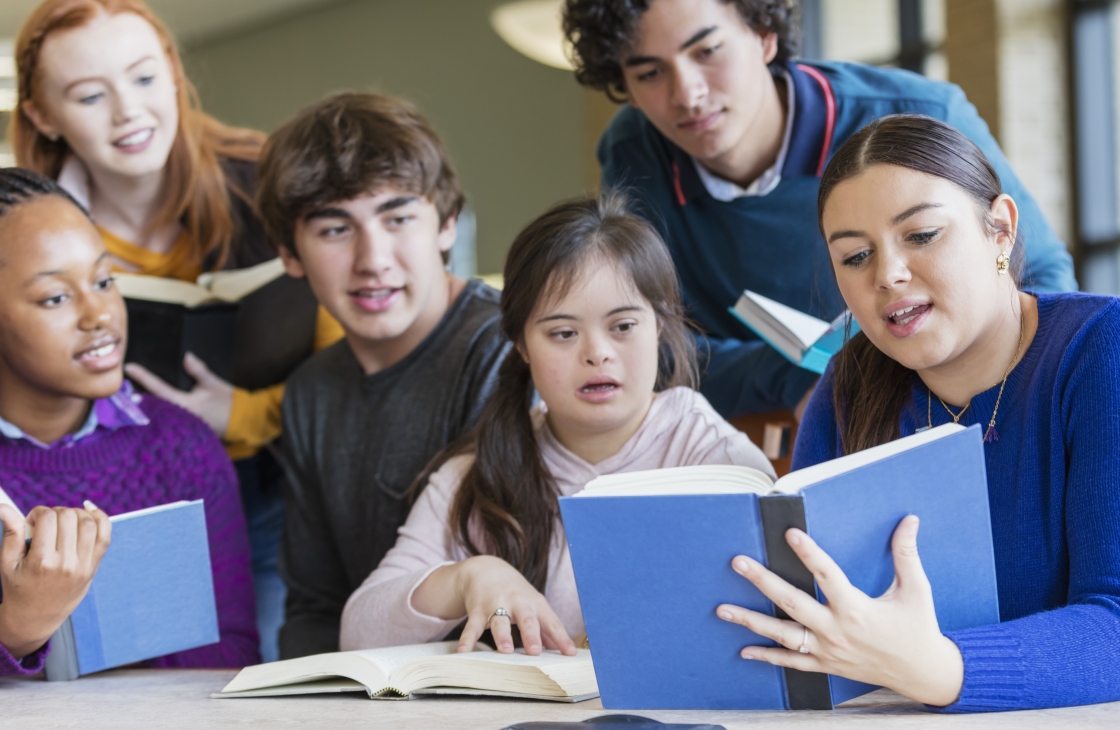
[[404, 672], [652, 566], [803, 339], [153, 595], [251, 327]]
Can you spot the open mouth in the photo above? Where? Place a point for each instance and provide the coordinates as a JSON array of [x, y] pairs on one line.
[[374, 294], [101, 354], [136, 138], [907, 315], [599, 388], [376, 299]]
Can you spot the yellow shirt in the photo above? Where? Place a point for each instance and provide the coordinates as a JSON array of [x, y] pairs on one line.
[[254, 417]]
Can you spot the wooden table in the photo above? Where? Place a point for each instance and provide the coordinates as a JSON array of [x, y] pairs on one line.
[[154, 698]]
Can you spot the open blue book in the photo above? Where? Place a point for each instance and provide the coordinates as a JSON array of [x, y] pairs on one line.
[[804, 340], [652, 556], [153, 595]]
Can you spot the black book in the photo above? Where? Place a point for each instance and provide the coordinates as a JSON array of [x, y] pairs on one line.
[[251, 327]]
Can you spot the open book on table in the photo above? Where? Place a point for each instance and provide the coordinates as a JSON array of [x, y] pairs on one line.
[[404, 672], [803, 339], [652, 552]]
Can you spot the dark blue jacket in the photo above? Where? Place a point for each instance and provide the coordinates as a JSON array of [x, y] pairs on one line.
[[771, 244]]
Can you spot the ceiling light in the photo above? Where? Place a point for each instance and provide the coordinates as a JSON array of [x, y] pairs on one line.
[[533, 28]]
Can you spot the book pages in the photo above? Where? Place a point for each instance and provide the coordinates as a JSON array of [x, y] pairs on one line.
[[707, 479]]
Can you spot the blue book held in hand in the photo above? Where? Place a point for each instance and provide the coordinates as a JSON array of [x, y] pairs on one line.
[[153, 594], [652, 557], [804, 340]]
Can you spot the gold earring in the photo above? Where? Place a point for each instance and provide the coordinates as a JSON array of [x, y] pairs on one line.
[[1003, 263]]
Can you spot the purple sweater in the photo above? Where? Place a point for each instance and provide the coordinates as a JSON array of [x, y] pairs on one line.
[[175, 457]]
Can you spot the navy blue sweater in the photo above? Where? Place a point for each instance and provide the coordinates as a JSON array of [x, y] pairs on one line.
[[1054, 496], [771, 244]]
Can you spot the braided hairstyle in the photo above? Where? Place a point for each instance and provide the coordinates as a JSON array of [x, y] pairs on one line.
[[19, 186]]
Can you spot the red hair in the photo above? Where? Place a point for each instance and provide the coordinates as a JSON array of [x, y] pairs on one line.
[[197, 188]]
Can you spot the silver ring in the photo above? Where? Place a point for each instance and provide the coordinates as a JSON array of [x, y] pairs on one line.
[[499, 612], [804, 648]]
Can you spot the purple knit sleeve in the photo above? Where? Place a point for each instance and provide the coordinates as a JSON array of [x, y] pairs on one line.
[[208, 473], [30, 664]]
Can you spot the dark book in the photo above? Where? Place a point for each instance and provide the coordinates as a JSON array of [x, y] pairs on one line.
[[652, 557], [251, 327]]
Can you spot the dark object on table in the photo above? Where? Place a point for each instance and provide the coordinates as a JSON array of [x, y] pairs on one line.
[[629, 722]]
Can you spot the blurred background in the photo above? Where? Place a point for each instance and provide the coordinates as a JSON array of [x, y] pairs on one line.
[[1043, 74]]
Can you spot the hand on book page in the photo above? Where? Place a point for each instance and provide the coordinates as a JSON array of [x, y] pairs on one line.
[[893, 640], [45, 581], [479, 586], [210, 399]]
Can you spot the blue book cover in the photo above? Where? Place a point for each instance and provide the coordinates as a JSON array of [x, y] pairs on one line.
[[153, 593], [651, 569]]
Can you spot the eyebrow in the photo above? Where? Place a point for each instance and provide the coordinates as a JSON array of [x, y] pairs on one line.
[[391, 204], [72, 84], [696, 38], [570, 317], [59, 272], [913, 210]]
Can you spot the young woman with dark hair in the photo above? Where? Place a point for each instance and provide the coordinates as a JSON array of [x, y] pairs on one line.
[[72, 430], [591, 303], [922, 241], [105, 108]]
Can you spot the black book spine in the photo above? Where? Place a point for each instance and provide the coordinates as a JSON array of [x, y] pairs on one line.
[[804, 690]]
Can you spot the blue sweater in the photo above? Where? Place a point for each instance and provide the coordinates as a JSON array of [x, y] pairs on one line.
[[1054, 496], [771, 244]]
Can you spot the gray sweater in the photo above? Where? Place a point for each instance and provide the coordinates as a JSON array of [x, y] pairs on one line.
[[352, 445]]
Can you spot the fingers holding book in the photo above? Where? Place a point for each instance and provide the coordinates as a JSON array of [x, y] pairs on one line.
[[892, 640], [46, 577]]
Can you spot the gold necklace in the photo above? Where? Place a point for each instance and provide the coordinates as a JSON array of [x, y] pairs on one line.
[[991, 434]]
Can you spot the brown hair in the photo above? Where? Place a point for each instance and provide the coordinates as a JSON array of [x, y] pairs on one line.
[[870, 389], [198, 190], [509, 490], [347, 145], [601, 31]]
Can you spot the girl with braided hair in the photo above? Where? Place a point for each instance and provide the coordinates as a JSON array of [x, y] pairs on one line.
[[72, 432]]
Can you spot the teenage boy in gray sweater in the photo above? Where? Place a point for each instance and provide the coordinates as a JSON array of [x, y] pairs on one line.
[[360, 196]]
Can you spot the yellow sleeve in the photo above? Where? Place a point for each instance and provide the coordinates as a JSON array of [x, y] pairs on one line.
[[254, 417], [327, 330], [254, 420]]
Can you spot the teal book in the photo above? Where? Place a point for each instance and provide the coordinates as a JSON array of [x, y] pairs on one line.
[[652, 557], [153, 595], [804, 340]]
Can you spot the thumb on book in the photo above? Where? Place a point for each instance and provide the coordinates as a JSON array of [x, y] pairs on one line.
[[904, 547], [14, 543]]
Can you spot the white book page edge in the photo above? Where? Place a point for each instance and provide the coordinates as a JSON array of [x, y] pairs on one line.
[[806, 328], [796, 481]]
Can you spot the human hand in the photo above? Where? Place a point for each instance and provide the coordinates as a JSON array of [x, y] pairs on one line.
[[210, 399], [45, 582], [485, 583], [892, 640]]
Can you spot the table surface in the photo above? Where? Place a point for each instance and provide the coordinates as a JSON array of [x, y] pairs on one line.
[[180, 698]]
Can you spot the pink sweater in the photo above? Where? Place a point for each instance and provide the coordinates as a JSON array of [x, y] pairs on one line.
[[681, 429]]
